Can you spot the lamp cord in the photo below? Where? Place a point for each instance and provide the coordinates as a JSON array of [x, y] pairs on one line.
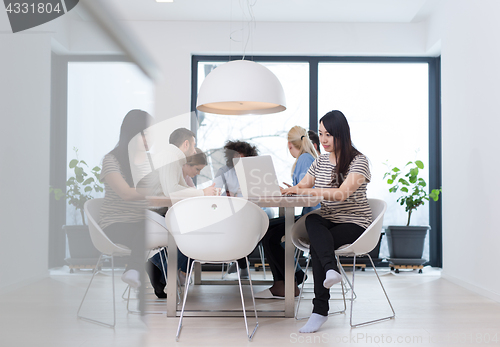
[[246, 7]]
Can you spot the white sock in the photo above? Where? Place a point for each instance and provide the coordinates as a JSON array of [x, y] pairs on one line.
[[314, 323], [332, 277], [132, 278]]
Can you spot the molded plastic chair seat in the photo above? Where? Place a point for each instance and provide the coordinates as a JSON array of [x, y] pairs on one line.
[[107, 248], [217, 229], [361, 247], [156, 231]]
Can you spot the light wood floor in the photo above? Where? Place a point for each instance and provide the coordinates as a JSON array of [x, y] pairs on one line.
[[430, 311]]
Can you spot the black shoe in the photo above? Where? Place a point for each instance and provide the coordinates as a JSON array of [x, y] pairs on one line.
[[155, 275], [300, 277]]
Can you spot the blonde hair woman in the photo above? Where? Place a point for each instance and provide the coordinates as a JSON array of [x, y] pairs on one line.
[[302, 149]]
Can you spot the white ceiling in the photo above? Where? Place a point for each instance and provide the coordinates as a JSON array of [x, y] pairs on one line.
[[359, 11]]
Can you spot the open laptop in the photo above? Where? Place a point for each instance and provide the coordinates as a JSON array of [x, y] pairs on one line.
[[257, 176]]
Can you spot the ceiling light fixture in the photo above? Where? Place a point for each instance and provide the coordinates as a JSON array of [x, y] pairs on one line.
[[241, 87]]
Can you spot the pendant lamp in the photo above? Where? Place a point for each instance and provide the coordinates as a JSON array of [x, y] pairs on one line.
[[241, 87]]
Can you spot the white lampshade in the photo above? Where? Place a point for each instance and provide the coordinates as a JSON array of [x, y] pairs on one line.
[[241, 87]]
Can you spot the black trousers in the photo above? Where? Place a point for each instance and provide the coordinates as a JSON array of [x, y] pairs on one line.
[[325, 237], [132, 236]]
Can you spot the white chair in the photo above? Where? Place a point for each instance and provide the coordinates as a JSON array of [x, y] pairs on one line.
[[361, 247], [107, 248], [217, 229]]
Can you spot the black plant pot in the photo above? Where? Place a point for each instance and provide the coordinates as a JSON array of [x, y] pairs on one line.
[[82, 253], [406, 242]]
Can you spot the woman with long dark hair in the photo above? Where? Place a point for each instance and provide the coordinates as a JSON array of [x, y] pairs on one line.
[[340, 176], [122, 215]]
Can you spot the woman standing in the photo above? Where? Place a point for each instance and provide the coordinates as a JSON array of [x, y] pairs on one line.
[[341, 177], [302, 149]]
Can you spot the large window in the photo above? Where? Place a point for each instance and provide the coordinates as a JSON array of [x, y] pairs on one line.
[[387, 102], [99, 96], [387, 106]]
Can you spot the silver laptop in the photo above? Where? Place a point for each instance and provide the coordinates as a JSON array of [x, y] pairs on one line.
[[257, 176]]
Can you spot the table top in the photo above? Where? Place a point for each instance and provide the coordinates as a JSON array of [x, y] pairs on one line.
[[263, 201]]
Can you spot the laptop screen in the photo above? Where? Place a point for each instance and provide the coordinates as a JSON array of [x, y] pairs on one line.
[[257, 176]]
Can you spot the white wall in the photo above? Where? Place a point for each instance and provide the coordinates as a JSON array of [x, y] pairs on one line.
[[24, 157], [470, 121]]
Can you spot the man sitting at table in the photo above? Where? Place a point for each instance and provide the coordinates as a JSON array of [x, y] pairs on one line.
[[171, 161]]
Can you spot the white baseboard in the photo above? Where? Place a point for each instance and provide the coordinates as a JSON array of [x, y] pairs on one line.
[[23, 283], [473, 288]]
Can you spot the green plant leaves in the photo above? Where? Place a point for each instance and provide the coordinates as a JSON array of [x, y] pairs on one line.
[[404, 182], [79, 188], [434, 194], [412, 192], [88, 181]]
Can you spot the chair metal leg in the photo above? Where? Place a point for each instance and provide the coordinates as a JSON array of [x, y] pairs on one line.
[[186, 289], [88, 287], [222, 271], [343, 273], [352, 297], [250, 336], [261, 253], [125, 291], [302, 290]]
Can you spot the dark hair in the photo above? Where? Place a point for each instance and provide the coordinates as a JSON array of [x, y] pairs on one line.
[[179, 136], [134, 123], [197, 159], [336, 125], [233, 147], [313, 136]]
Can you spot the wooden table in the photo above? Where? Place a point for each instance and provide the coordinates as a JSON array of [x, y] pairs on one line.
[[288, 203]]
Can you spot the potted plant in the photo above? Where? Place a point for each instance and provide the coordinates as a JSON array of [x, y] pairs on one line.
[[407, 242], [79, 189]]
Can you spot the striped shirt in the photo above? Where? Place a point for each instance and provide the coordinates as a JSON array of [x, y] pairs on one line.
[[114, 209], [355, 209]]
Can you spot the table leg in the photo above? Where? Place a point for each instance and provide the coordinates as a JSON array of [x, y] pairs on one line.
[[171, 277], [289, 262]]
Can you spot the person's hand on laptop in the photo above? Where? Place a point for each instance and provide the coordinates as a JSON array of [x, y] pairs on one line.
[[290, 190]]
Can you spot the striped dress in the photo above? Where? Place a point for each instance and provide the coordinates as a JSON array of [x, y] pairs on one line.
[[354, 209]]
